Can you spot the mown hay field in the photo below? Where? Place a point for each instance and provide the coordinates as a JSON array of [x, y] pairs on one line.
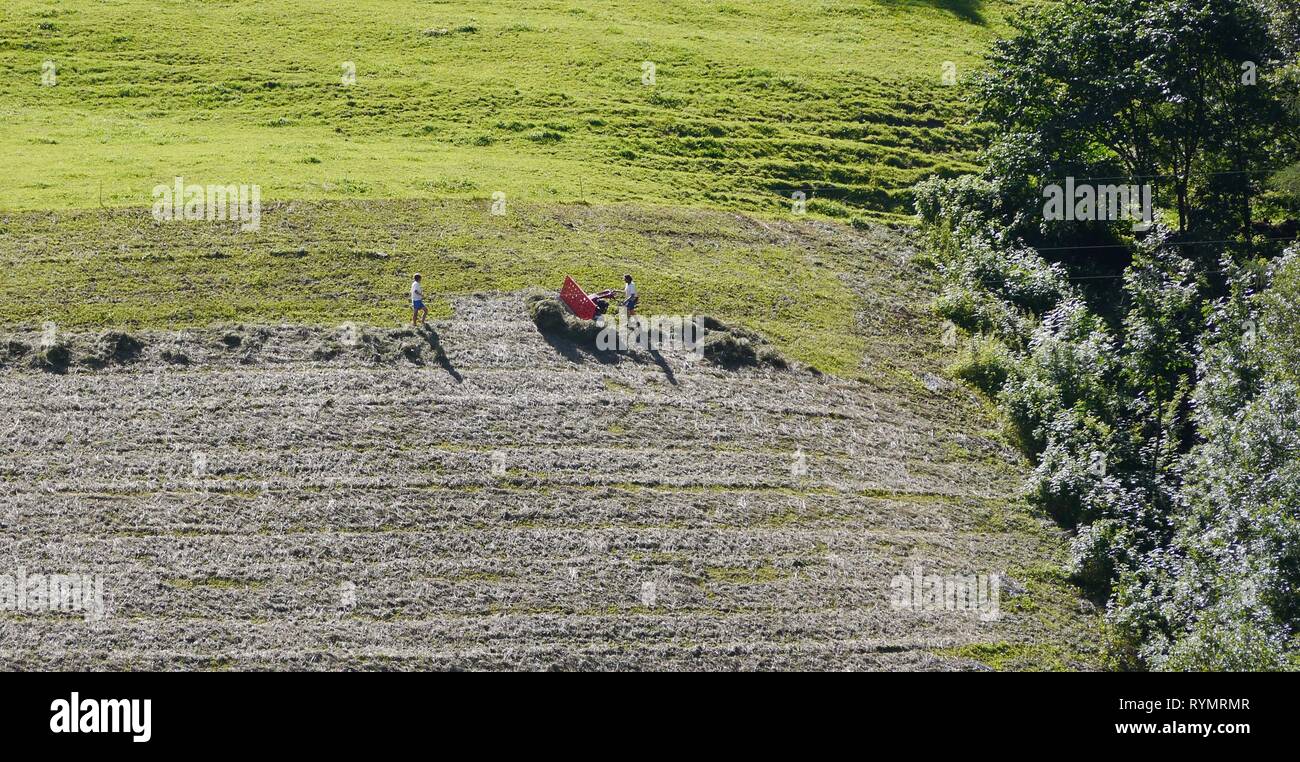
[[474, 496]]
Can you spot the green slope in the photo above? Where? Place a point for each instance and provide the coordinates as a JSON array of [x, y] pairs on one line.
[[541, 100]]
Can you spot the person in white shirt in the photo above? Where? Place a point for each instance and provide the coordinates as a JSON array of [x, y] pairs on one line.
[[630, 298], [419, 313]]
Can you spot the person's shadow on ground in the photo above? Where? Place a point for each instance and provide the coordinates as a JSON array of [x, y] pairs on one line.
[[663, 365], [430, 337]]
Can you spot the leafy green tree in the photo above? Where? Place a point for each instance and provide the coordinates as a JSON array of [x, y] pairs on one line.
[[1163, 415], [1139, 91]]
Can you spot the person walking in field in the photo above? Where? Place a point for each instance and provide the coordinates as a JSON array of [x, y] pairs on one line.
[[630, 298], [419, 312]]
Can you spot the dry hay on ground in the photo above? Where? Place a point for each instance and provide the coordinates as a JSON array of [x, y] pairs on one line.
[[471, 496]]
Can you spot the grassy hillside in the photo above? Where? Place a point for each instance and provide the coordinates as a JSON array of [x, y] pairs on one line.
[[490, 496], [542, 100], [323, 262]]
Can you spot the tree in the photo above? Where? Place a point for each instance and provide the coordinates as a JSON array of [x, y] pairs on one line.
[[1162, 406], [1141, 91]]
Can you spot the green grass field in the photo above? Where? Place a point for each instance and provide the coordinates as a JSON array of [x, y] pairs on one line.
[[318, 263], [544, 101]]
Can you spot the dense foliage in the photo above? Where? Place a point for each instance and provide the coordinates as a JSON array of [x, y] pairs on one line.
[[1153, 375]]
